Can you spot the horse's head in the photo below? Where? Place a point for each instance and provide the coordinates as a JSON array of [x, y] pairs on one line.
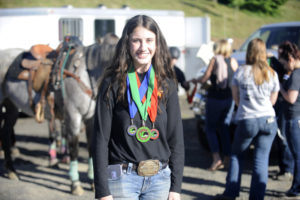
[[71, 42], [70, 60], [69, 54]]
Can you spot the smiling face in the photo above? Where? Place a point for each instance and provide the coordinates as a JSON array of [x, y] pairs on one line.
[[142, 43]]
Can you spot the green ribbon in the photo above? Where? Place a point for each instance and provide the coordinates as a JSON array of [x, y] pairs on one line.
[[136, 95]]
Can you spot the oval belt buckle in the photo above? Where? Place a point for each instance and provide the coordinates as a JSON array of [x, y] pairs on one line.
[[148, 167]]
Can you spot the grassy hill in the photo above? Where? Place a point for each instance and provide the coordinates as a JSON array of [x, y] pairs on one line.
[[225, 21]]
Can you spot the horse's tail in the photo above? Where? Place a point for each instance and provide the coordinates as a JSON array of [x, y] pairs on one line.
[[7, 56]]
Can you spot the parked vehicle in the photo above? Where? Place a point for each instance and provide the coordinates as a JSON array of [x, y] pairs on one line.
[[273, 35], [198, 102]]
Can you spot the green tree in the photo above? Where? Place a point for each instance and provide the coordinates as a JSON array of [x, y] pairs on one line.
[[269, 7]]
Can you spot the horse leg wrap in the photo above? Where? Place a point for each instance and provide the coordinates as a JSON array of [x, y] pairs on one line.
[[63, 147], [73, 173], [52, 151], [91, 169]]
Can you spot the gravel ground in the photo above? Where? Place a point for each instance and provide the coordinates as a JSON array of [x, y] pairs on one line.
[[38, 181]]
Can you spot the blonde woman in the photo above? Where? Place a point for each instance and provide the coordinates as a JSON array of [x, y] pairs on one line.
[[255, 89], [219, 105]]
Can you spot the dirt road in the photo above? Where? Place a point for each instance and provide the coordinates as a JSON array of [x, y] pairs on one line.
[[39, 182]]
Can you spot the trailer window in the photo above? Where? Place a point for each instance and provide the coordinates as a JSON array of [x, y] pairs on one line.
[[102, 27], [70, 26]]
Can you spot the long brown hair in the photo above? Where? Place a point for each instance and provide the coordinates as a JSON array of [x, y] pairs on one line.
[[122, 60], [257, 57]]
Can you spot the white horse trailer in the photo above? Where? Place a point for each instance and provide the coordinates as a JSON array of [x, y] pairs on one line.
[[24, 27]]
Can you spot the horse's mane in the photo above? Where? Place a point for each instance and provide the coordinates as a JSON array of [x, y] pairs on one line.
[[98, 56]]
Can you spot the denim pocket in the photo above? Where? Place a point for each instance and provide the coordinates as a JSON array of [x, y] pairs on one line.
[[166, 173], [270, 126]]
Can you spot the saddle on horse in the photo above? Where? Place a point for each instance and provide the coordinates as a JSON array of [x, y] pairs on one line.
[[37, 73]]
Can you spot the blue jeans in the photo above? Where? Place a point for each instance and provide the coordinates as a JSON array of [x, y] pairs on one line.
[[261, 132], [218, 118], [285, 158], [293, 137], [131, 186]]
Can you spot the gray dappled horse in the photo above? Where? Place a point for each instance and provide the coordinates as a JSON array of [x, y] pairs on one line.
[[82, 68], [74, 80]]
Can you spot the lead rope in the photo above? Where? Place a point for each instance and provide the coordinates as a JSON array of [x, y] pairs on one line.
[[62, 73]]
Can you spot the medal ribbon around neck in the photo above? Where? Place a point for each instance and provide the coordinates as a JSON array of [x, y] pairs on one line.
[[132, 129], [152, 110], [142, 103]]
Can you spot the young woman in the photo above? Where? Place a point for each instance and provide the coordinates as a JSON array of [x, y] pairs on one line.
[[219, 105], [255, 89], [138, 148], [289, 56]]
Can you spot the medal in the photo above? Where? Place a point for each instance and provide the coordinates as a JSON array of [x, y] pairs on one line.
[[131, 130], [154, 133], [143, 134], [144, 99]]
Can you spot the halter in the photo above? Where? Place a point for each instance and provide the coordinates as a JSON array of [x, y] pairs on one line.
[[70, 44]]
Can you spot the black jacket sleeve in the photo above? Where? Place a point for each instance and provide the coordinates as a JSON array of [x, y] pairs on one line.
[[101, 135], [175, 139]]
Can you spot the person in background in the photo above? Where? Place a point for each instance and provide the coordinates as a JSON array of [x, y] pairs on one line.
[[289, 56], [219, 105], [175, 54], [255, 88], [285, 158], [138, 147]]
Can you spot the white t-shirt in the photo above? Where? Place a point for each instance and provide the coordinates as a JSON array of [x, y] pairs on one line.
[[254, 100]]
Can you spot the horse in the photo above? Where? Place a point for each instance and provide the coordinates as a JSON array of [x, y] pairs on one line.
[[75, 76], [7, 56], [83, 68], [15, 94]]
